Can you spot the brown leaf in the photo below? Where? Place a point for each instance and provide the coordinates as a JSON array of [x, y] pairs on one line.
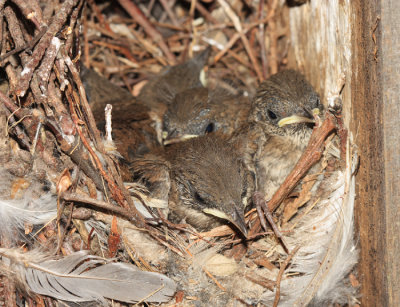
[[65, 181], [114, 238]]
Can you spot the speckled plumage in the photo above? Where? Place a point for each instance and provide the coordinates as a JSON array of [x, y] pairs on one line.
[[198, 111], [159, 92], [272, 151], [203, 173]]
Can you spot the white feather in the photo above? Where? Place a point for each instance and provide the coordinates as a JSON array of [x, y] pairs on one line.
[[327, 254], [15, 214]]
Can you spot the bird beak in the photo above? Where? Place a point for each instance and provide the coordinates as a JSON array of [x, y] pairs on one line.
[[236, 218], [168, 141], [295, 119], [203, 78], [315, 111]]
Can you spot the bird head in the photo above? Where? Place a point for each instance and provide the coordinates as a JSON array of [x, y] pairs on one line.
[[188, 116], [286, 105], [211, 179]]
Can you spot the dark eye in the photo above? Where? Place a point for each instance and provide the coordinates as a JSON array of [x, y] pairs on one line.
[[198, 198], [272, 115], [209, 128]]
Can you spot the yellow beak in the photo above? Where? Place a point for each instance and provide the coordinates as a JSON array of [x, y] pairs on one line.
[[238, 220], [295, 119], [179, 139]]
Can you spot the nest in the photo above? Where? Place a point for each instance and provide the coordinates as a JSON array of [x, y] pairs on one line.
[[64, 188]]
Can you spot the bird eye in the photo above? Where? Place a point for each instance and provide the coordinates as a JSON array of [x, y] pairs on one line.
[[209, 128], [272, 115], [198, 197]]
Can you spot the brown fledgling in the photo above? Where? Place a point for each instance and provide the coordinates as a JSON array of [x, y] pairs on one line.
[[204, 180], [199, 111], [133, 128], [281, 121], [160, 91]]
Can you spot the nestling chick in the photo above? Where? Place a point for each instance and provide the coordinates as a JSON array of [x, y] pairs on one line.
[[133, 128], [207, 183], [199, 111], [281, 125], [159, 92]]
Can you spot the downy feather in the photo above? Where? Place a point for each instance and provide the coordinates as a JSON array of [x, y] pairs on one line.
[[327, 251], [80, 277]]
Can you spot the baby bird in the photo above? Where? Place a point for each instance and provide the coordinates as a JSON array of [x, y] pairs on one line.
[[132, 125], [199, 111], [281, 121], [159, 92], [205, 181]]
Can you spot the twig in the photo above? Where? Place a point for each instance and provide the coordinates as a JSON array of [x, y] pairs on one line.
[[167, 7], [263, 210], [26, 46], [120, 194], [58, 22], [80, 198], [214, 280], [99, 15], [261, 39], [29, 14], [141, 19], [273, 49], [280, 275], [46, 65], [238, 26]]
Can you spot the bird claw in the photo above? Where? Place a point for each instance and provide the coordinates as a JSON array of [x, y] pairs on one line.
[[264, 212]]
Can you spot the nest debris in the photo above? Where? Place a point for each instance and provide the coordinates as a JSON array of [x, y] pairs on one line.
[[50, 144]]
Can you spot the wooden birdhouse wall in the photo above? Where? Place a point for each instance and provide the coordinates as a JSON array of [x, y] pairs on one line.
[[356, 44]]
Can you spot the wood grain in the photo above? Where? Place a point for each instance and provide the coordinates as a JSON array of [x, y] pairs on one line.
[[376, 112], [369, 61]]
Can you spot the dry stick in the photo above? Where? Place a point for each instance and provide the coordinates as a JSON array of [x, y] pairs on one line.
[[262, 210], [171, 15], [261, 38], [214, 279], [46, 65], [236, 36], [26, 46], [114, 190], [14, 26], [99, 15], [274, 39], [141, 19], [84, 199], [72, 25], [57, 23], [86, 57], [238, 26], [280, 275], [28, 12], [20, 113], [19, 132], [120, 194], [120, 48], [72, 149]]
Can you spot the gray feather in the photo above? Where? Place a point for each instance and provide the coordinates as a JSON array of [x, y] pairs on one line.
[[80, 278]]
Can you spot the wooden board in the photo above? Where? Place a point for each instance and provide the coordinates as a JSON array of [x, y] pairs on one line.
[[331, 39]]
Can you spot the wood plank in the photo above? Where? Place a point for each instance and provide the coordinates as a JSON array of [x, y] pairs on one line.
[[376, 114], [320, 47], [390, 70], [366, 124]]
